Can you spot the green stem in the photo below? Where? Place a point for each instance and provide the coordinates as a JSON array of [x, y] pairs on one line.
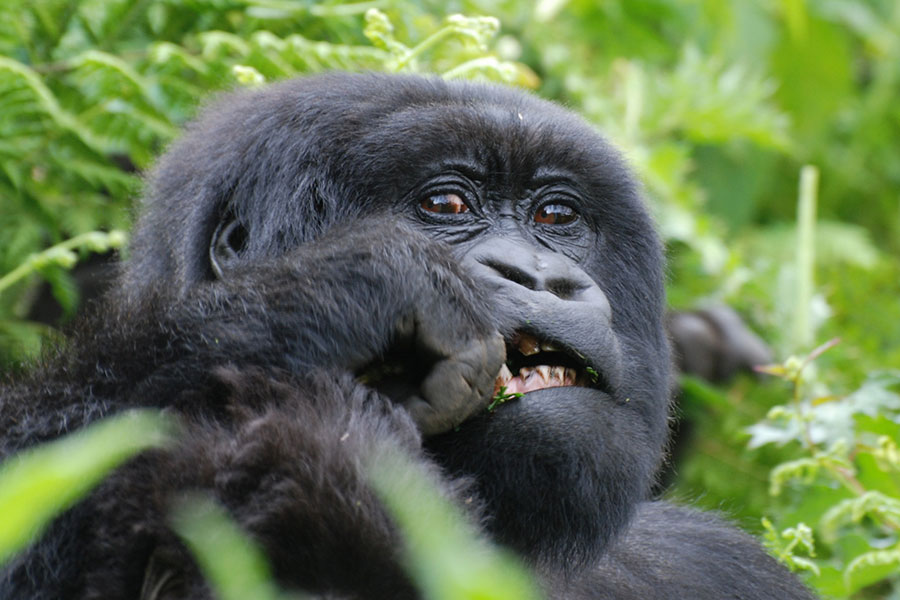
[[95, 240], [634, 102], [427, 43], [806, 253]]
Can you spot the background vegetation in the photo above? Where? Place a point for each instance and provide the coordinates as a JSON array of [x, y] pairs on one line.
[[718, 104]]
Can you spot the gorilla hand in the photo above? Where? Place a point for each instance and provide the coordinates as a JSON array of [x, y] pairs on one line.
[[384, 302], [461, 378]]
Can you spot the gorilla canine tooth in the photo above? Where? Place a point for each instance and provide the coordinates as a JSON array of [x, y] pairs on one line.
[[502, 380], [544, 371], [527, 344], [505, 374]]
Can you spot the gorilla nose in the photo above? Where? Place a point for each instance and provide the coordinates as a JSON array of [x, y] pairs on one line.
[[534, 269]]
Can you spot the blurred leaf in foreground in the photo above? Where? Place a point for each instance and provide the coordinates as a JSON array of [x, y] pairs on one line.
[[234, 566], [40, 483], [444, 555]]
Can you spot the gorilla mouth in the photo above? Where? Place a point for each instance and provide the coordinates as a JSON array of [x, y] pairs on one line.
[[533, 364]]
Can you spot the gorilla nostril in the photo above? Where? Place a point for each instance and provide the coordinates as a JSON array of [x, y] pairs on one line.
[[565, 288], [512, 273]]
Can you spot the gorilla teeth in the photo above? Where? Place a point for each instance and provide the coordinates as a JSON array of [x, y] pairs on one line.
[[530, 379], [503, 377], [527, 344]]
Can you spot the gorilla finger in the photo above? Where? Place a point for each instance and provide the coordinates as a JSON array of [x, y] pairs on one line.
[[458, 387]]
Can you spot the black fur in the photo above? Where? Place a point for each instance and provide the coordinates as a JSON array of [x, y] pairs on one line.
[[291, 297]]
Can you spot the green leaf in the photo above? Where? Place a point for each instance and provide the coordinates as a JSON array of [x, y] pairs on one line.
[[231, 562], [779, 433], [803, 469], [63, 287], [871, 567], [48, 102], [444, 554], [37, 484], [854, 509]]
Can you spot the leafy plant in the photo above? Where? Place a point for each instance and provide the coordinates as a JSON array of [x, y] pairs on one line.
[[90, 91], [843, 490]]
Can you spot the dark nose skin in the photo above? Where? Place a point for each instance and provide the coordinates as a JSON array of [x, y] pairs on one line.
[[535, 269], [547, 294]]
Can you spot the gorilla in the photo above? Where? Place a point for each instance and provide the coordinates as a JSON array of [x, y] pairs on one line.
[[333, 269]]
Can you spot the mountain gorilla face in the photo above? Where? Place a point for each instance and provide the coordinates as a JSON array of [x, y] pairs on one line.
[[539, 233], [539, 213]]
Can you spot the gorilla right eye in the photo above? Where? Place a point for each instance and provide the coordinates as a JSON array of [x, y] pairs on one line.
[[447, 204], [555, 214]]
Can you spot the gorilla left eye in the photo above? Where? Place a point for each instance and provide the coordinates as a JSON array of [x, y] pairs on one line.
[[555, 214], [448, 204]]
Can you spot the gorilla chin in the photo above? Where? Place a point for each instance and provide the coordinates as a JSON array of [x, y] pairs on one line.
[[345, 267], [563, 448]]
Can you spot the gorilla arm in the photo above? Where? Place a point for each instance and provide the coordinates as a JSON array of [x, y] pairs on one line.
[[673, 552], [336, 304], [260, 366], [290, 466]]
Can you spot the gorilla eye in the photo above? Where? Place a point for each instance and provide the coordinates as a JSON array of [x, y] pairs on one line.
[[448, 204], [555, 214]]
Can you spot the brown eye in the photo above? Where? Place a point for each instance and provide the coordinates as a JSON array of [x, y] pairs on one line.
[[448, 204], [555, 214]]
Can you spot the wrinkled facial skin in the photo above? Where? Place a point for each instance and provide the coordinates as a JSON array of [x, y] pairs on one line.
[[533, 206]]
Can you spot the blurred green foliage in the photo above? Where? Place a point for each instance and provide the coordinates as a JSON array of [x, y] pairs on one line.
[[717, 103], [37, 484], [444, 555], [92, 90], [235, 568]]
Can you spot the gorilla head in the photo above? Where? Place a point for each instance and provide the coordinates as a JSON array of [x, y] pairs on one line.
[[538, 231]]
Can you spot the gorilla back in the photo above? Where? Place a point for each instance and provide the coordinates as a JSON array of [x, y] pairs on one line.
[[335, 268]]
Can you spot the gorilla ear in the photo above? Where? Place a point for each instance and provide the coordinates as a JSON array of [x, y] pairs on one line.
[[228, 242]]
